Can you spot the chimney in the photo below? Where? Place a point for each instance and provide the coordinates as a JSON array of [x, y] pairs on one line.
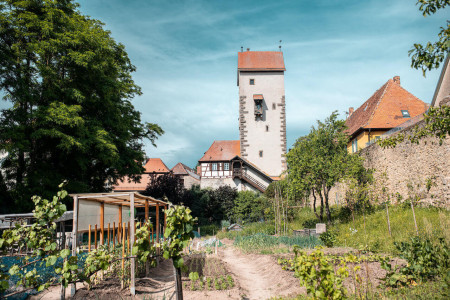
[[397, 79], [248, 49], [350, 111]]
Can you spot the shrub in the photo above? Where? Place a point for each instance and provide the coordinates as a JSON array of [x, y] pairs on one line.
[[328, 238]]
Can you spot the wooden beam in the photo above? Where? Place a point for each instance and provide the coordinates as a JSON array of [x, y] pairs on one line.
[[146, 210], [102, 223], [73, 288], [89, 238], [133, 262]]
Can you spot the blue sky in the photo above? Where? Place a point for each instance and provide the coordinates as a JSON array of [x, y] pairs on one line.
[[337, 54]]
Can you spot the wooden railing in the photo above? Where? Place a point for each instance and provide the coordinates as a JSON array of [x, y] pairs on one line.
[[238, 172]]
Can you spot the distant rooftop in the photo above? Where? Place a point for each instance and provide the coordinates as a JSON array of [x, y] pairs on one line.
[[222, 150]]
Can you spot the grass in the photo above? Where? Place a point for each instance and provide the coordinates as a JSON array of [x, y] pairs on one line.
[[267, 244], [374, 235], [249, 229]]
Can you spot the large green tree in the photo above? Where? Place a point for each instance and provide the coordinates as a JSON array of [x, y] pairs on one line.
[[70, 86], [319, 160]]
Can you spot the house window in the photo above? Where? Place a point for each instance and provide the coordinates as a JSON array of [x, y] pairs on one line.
[[354, 145], [214, 167], [260, 153], [267, 128], [405, 114], [226, 166], [274, 106], [252, 81]]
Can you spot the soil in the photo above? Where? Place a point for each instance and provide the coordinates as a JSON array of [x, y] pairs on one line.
[[255, 276]]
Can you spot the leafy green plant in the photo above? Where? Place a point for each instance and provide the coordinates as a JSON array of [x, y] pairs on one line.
[[144, 250], [230, 281], [216, 283], [328, 238], [208, 283], [193, 276], [317, 273]]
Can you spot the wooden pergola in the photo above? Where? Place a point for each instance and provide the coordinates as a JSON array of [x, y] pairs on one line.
[[130, 199]]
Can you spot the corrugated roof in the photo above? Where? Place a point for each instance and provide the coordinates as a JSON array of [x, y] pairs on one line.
[[155, 165], [221, 151], [383, 110], [261, 61]]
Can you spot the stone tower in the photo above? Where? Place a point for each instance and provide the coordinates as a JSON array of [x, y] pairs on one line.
[[262, 116]]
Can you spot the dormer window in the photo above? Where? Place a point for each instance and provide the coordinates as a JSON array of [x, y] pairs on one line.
[[405, 114], [258, 105]]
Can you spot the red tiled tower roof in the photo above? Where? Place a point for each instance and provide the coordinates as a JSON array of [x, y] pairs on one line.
[[383, 110], [261, 61], [221, 151], [181, 169]]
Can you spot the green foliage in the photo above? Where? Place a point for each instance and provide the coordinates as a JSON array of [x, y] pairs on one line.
[[179, 230], [249, 207], [249, 229], [430, 56], [70, 86], [320, 159], [328, 238], [437, 124], [316, 272], [40, 236], [144, 250], [426, 260]]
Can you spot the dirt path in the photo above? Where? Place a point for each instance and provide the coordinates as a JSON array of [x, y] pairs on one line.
[[259, 276]]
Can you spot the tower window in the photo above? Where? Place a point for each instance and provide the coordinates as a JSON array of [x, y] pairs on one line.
[[260, 153], [405, 114], [252, 81], [267, 127], [274, 106]]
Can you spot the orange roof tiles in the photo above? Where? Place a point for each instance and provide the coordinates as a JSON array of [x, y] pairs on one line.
[[383, 110], [155, 165], [258, 97], [222, 150], [181, 169], [261, 61], [127, 185]]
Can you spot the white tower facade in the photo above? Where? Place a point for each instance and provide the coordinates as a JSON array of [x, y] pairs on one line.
[[262, 110]]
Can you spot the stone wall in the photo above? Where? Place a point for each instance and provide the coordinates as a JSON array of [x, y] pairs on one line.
[[414, 164], [405, 164]]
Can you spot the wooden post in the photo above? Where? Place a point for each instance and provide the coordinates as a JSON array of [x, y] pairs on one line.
[[133, 261], [114, 235], [89, 238], [73, 288], [157, 225], [128, 238], [95, 236], [63, 231], [165, 218], [119, 233], [102, 223], [123, 255], [147, 263], [109, 230], [120, 222]]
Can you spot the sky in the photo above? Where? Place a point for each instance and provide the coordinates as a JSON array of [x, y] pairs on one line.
[[337, 54]]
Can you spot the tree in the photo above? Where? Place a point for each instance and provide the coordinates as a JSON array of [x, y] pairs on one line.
[[430, 56], [319, 160], [70, 86], [167, 185]]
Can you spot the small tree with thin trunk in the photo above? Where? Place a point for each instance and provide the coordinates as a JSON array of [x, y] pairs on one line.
[[320, 159]]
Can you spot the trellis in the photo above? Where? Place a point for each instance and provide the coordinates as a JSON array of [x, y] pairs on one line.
[[130, 199]]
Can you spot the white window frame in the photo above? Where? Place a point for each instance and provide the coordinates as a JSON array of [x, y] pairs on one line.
[[226, 166], [214, 167]]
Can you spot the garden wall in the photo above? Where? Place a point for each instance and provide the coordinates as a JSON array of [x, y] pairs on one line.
[[408, 164]]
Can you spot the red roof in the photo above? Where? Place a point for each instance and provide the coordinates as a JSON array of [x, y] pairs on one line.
[[383, 110], [181, 169], [127, 185], [261, 61], [258, 97], [221, 151], [155, 165]]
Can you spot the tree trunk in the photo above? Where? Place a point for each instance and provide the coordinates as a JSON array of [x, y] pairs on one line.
[[321, 206], [327, 206], [314, 204], [178, 285]]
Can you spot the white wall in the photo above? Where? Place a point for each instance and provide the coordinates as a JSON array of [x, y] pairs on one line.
[[271, 142]]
